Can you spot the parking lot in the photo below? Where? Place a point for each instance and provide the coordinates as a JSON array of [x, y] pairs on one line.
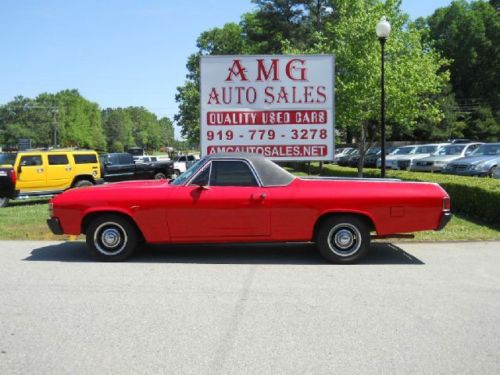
[[265, 309]]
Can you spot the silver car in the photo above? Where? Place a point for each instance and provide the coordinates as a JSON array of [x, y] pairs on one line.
[[421, 151], [391, 160], [481, 162], [438, 160]]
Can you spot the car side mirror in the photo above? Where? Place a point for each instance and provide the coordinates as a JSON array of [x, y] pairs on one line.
[[203, 187]]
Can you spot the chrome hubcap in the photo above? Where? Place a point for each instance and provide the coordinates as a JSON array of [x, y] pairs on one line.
[[110, 237], [344, 239]]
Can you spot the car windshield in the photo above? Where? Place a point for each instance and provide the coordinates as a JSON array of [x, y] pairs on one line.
[[7, 158], [189, 172], [403, 151], [484, 150], [450, 150], [373, 151], [426, 149]]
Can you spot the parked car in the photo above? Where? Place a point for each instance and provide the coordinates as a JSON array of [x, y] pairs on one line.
[[49, 172], [120, 166], [420, 152], [370, 160], [183, 162], [7, 185], [247, 198], [341, 152], [438, 160], [391, 160], [344, 161], [481, 162]]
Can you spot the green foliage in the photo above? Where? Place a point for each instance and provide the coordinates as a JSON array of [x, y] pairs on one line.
[[468, 33], [474, 197], [73, 121], [79, 121], [65, 117]]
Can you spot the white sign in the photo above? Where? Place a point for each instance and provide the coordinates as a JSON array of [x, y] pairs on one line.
[[278, 106]]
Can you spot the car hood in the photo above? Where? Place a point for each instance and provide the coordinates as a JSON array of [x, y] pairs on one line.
[[398, 157], [441, 158], [477, 159]]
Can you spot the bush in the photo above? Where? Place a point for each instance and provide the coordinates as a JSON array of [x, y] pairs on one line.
[[471, 196]]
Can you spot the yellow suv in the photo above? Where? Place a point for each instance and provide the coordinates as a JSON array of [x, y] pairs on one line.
[[48, 172]]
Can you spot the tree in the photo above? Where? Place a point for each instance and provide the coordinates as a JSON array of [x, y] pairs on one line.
[[414, 75], [221, 41], [117, 126], [468, 34], [79, 121], [168, 132]]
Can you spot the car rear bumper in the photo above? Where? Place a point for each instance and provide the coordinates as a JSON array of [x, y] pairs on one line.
[[55, 225], [445, 219]]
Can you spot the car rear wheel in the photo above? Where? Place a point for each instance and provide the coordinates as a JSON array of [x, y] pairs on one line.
[[343, 239], [111, 238]]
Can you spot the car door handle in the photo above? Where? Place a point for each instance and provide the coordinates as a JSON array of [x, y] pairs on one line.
[[259, 197], [39, 170]]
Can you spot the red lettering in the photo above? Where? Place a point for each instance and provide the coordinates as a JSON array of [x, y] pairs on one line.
[[292, 68], [213, 96], [237, 70], [321, 92], [266, 74]]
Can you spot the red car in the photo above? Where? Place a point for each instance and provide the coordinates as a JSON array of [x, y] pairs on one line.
[[230, 198]]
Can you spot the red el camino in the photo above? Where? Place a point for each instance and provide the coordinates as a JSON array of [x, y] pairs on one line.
[[247, 198]]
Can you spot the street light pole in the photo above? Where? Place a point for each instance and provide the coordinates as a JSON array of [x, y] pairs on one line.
[[382, 108], [383, 29]]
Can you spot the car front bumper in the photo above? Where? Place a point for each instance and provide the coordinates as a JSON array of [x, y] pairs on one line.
[[55, 225], [426, 168]]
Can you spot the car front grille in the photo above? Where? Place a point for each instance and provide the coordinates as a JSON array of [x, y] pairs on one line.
[[424, 163], [403, 164]]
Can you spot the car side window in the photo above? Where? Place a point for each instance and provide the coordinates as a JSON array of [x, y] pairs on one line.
[[203, 178], [124, 159], [58, 159], [231, 173], [471, 149], [30, 160]]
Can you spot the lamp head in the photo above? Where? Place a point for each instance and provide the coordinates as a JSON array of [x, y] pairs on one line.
[[383, 28]]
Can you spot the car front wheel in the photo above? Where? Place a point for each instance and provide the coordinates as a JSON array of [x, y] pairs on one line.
[[343, 239], [111, 238]]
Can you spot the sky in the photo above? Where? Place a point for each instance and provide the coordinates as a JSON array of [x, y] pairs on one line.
[[117, 53]]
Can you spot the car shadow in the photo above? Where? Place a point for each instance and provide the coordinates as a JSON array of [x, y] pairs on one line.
[[380, 254]]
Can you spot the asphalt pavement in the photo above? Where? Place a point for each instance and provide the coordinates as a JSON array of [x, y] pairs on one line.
[[431, 308]]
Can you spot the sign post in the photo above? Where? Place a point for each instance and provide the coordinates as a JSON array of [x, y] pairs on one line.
[[279, 106]]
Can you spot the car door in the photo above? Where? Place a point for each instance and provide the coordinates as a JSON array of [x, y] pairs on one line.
[[59, 171], [223, 202], [31, 174]]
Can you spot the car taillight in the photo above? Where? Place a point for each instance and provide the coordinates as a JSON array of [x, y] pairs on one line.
[[446, 204], [13, 177]]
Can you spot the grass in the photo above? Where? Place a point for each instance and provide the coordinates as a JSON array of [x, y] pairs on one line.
[[25, 220]]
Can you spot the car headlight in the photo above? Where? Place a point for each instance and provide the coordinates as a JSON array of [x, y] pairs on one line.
[[479, 167]]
